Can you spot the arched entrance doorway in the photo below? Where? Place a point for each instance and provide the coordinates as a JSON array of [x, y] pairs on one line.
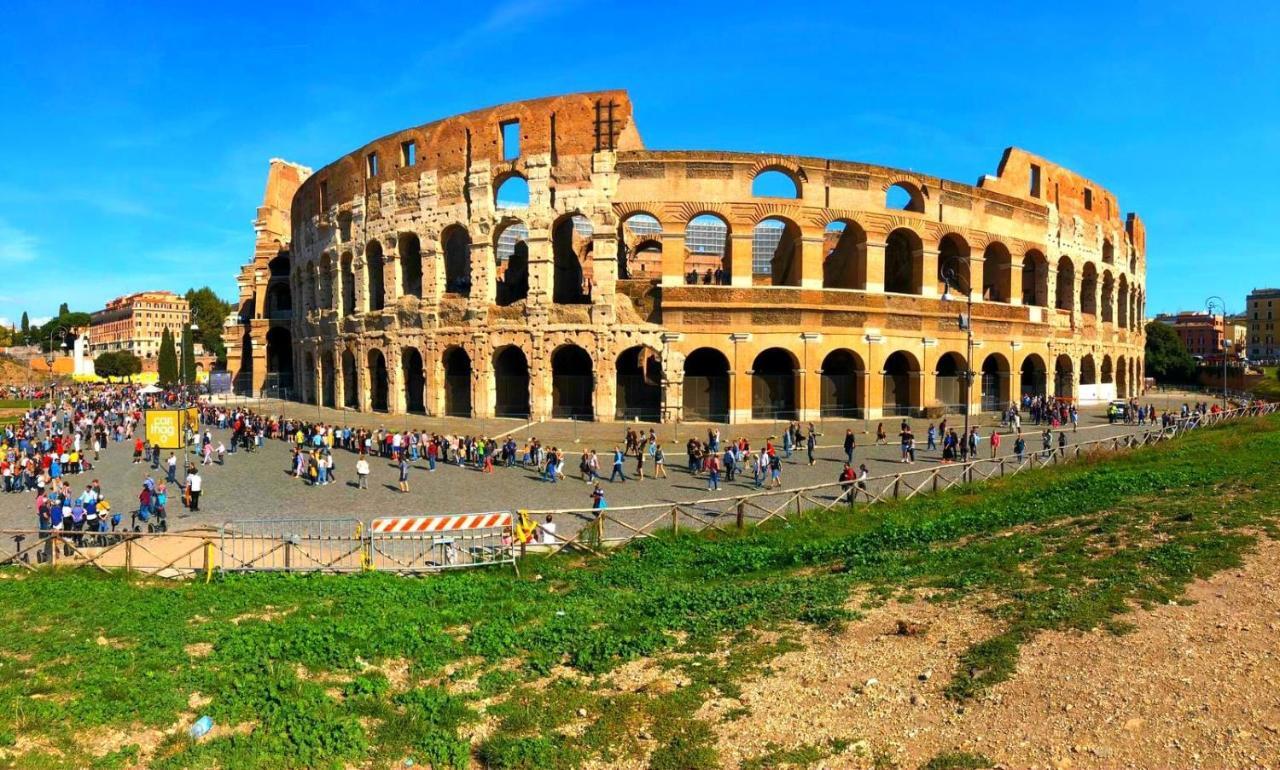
[[1033, 376], [279, 380], [378, 383], [995, 383], [706, 386], [1122, 378], [949, 382], [511, 383], [328, 385], [373, 264], [572, 383], [350, 381], [639, 385], [570, 245], [457, 382], [1063, 376], [841, 385], [773, 386], [901, 384], [415, 381]]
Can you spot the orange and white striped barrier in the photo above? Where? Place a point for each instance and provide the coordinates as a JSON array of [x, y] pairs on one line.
[[413, 525]]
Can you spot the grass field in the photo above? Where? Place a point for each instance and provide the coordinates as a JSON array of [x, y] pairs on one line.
[[370, 670]]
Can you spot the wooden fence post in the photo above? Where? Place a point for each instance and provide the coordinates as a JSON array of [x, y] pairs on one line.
[[675, 518], [741, 514]]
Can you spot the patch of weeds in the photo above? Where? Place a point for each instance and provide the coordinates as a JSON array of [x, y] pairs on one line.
[[800, 756], [957, 760]]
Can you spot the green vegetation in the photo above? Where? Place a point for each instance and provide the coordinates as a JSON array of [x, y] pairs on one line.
[[327, 671], [167, 359], [208, 311], [1167, 359], [957, 760], [117, 363]]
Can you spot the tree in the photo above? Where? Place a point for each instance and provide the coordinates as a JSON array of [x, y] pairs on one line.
[[208, 311], [1167, 359], [188, 368], [63, 309], [117, 363], [167, 359], [26, 326]]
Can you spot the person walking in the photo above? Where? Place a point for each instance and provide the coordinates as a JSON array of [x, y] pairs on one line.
[[846, 484], [171, 472], [995, 443], [811, 443], [362, 471], [659, 462], [713, 472], [850, 443], [195, 485], [617, 472]]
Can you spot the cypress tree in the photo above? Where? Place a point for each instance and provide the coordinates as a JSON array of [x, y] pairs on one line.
[[167, 363], [188, 357]]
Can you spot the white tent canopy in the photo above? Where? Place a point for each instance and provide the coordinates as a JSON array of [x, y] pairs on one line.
[[150, 389]]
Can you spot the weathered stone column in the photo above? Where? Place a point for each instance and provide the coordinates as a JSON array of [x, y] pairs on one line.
[[929, 278], [673, 257], [1015, 281]]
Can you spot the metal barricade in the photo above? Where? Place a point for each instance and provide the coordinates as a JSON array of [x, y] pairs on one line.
[[438, 543], [292, 545]]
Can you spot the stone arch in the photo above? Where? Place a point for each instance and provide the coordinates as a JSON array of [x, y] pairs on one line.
[[511, 382], [279, 300], [845, 264], [511, 252], [1107, 375], [455, 242], [414, 379], [775, 182], [373, 265], [1089, 290], [639, 384], [902, 381], [1034, 376], [511, 191], [310, 394], [904, 195], [903, 262], [572, 383], [995, 383], [953, 263], [328, 380], [570, 246], [350, 380], [1066, 297], [997, 273], [708, 247], [706, 385], [279, 266], [1035, 279], [774, 385], [1088, 370], [639, 246], [775, 250], [409, 260], [949, 382], [843, 393], [379, 381], [1063, 377], [1108, 297], [457, 381], [1108, 252], [1122, 378], [348, 283], [1122, 306]]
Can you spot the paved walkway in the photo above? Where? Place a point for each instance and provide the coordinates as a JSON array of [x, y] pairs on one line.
[[259, 485]]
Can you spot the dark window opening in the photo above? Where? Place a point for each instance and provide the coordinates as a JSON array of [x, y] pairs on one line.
[[408, 153], [371, 164], [1088, 199], [1035, 180]]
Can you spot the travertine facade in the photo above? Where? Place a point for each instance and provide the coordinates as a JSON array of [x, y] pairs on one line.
[[418, 275]]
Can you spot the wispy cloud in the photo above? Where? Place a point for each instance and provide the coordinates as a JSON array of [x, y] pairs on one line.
[[106, 201], [16, 246]]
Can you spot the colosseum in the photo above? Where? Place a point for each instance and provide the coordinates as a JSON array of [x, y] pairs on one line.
[[534, 260]]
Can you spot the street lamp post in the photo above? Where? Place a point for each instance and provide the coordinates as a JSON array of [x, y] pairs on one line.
[[182, 381], [1209, 304], [949, 278]]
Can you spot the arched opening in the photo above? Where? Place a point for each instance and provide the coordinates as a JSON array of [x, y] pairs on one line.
[[953, 264], [775, 251], [279, 266], [845, 264], [995, 383], [373, 264], [311, 394], [457, 260], [457, 382], [949, 383], [773, 385], [1089, 290], [1034, 377], [708, 253], [1108, 297], [350, 381], [512, 193], [328, 382], [379, 383], [1063, 377], [572, 383], [1108, 372], [706, 386], [511, 383], [1122, 378], [415, 381], [1035, 279], [640, 247], [639, 385], [1066, 299], [1088, 370], [904, 196], [279, 380], [1122, 307], [312, 288], [571, 246], [279, 301], [841, 385], [997, 273], [1108, 252], [410, 250], [327, 269], [903, 262], [348, 284], [901, 384], [775, 183], [511, 250]]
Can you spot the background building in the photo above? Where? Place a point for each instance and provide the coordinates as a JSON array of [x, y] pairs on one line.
[[135, 323], [1201, 333], [1261, 308], [535, 260]]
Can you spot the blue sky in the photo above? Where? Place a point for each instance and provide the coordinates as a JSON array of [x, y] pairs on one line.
[[136, 135]]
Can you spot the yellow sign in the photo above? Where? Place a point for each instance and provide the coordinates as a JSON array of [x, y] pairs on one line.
[[166, 427]]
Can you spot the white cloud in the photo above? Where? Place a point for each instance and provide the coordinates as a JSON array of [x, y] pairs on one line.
[[16, 246]]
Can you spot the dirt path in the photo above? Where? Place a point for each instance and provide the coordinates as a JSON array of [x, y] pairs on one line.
[[1195, 686]]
